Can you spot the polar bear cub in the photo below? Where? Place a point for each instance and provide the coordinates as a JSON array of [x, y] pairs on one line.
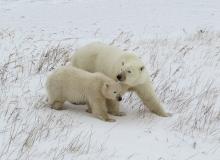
[[78, 86]]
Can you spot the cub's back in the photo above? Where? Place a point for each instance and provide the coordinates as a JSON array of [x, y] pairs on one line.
[[71, 76]]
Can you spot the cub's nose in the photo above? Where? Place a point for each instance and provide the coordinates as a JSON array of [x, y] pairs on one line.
[[119, 98], [119, 76]]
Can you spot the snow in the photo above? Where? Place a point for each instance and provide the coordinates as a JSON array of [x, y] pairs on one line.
[[177, 40]]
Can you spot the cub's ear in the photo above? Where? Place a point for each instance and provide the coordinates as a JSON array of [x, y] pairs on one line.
[[106, 84]]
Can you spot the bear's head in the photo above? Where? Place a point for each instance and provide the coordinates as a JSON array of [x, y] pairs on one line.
[[131, 71], [112, 90]]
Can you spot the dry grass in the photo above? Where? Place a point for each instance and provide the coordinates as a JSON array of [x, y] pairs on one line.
[[52, 57]]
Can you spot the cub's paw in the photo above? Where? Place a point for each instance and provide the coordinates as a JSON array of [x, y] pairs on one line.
[[89, 110], [117, 113], [110, 120], [57, 107], [120, 114], [105, 118]]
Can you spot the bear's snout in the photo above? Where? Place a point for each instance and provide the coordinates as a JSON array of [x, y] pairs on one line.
[[121, 77], [119, 98]]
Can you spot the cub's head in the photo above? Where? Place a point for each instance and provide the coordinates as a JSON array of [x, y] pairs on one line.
[[131, 72], [112, 90]]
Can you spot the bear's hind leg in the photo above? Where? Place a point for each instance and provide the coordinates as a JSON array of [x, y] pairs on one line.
[[113, 108], [99, 109]]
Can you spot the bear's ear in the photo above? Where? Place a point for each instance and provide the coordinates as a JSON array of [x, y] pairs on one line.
[[141, 68]]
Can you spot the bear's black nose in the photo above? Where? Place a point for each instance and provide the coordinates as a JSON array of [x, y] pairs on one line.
[[119, 77], [119, 98]]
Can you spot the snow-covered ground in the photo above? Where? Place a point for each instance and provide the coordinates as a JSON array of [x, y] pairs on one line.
[[179, 41]]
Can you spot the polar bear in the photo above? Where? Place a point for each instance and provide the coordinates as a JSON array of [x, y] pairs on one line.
[[122, 66], [78, 86]]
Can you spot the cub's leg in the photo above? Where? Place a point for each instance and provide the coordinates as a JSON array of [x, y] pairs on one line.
[[58, 105], [99, 109], [78, 103], [147, 94], [113, 107], [89, 110]]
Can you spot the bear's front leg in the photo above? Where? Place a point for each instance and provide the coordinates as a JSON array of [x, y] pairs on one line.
[[113, 107], [147, 94], [99, 109]]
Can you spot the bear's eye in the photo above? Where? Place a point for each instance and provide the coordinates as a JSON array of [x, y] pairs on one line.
[[142, 68], [129, 71], [114, 92]]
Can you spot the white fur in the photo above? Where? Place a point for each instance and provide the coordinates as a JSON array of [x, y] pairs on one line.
[[99, 57], [78, 86]]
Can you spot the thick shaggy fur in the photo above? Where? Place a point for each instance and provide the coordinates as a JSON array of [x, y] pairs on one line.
[[121, 65], [78, 86]]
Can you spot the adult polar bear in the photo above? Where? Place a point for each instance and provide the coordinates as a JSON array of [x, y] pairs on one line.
[[119, 65]]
